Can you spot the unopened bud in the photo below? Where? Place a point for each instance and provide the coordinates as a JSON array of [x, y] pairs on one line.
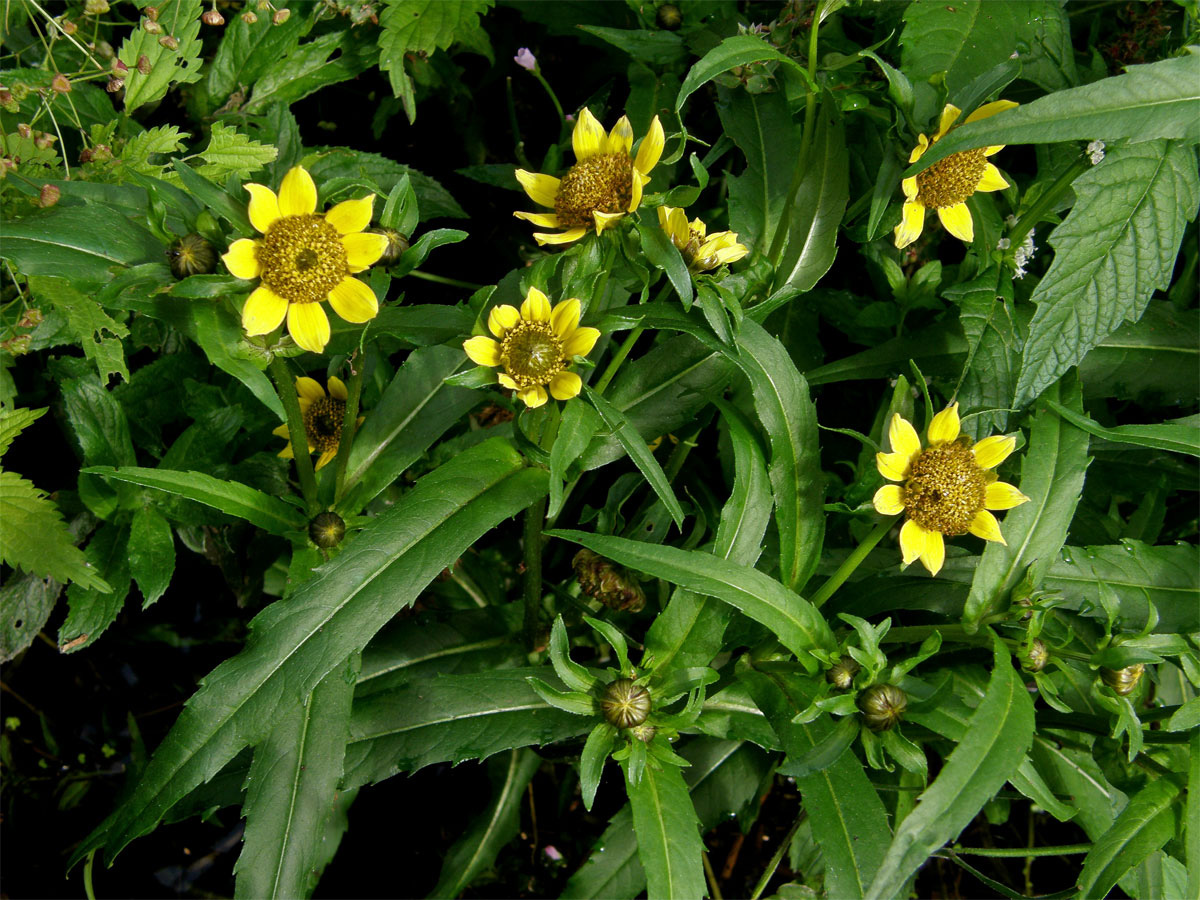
[[841, 674], [644, 732], [119, 68], [191, 255], [169, 42], [249, 17], [610, 583], [525, 59], [151, 27], [668, 17], [61, 84], [1035, 658], [143, 64], [24, 130], [31, 318], [114, 85], [327, 530], [67, 26], [151, 13], [95, 7], [48, 195], [212, 17], [396, 245], [44, 141], [1123, 681], [104, 50], [281, 16], [882, 706], [625, 704]]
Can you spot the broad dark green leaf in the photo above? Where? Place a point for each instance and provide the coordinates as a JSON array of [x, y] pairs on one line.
[[1149, 102], [342, 162], [657, 47], [98, 423], [578, 426], [247, 50], [294, 643], [1147, 822], [732, 714], [1117, 246], [219, 336], [938, 350], [328, 59], [419, 324], [994, 336], [291, 789], [428, 242], [26, 602], [786, 410], [1052, 472], [661, 252], [450, 718], [793, 619], [151, 553], [995, 742], [91, 610], [488, 833], [232, 497], [668, 834], [1193, 816], [1179, 436], [738, 50], [1155, 359]]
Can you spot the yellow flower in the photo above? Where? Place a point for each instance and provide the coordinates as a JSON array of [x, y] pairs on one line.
[[946, 489], [535, 345], [604, 184], [947, 184], [304, 257], [701, 250], [323, 417]]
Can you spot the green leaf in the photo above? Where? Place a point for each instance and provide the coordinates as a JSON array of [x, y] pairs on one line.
[[661, 252], [218, 201], [220, 336], [995, 742], [966, 39], [793, 619], [993, 347], [329, 59], [1179, 436], [1193, 815], [260, 509], [179, 19], [1138, 575], [35, 538], [422, 26], [639, 452], [1150, 102], [290, 790], [231, 153], [93, 609], [591, 762], [1117, 246], [1052, 473], [578, 426], [659, 48], [849, 820], [786, 410], [248, 50], [327, 163], [294, 643], [739, 50], [451, 718], [492, 829], [429, 241], [26, 603], [13, 422], [151, 554], [77, 243], [669, 844], [98, 423], [88, 322], [415, 410], [819, 205], [1147, 822], [1156, 359], [163, 139], [573, 675]]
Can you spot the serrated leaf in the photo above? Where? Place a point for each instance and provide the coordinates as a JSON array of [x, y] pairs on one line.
[[89, 323], [329, 59], [492, 829], [993, 334], [669, 844], [34, 537], [91, 609], [13, 422], [999, 734], [1117, 246], [1147, 822], [230, 152], [151, 553], [248, 50], [657, 47], [26, 602], [294, 643], [422, 26], [1052, 472], [161, 139], [179, 19], [291, 788]]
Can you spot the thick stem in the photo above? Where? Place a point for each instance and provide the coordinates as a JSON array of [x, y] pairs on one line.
[[349, 426], [295, 423], [1046, 202], [534, 516], [852, 562]]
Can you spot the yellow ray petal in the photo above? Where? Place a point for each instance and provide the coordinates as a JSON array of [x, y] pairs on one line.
[[911, 225], [581, 342], [263, 312], [534, 396], [1002, 495], [605, 220], [992, 451], [635, 194], [990, 109], [893, 466], [984, 525], [674, 222], [536, 307], [919, 150], [732, 253], [363, 249], [910, 187], [934, 554], [264, 206], [620, 139], [650, 151], [354, 301], [542, 189], [889, 500], [309, 389], [308, 325], [949, 116], [286, 453], [502, 318], [992, 150], [563, 237], [564, 319], [326, 457], [991, 180], [542, 220], [506, 381], [903, 437], [281, 431], [241, 260], [298, 195], [945, 426], [337, 389], [565, 385], [912, 541], [588, 138], [483, 351], [957, 220], [350, 216]]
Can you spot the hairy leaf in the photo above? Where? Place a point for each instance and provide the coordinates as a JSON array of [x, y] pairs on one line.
[[26, 602], [229, 152]]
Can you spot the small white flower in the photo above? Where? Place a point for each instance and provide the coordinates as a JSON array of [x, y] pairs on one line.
[[525, 59], [1024, 254], [1095, 151], [1003, 244]]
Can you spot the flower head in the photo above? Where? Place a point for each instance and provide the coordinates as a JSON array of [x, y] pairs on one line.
[[604, 184], [304, 257], [701, 250], [535, 345], [945, 489], [323, 417], [947, 184], [525, 59]]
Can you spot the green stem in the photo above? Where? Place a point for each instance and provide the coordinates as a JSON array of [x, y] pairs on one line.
[[295, 422], [618, 358], [713, 887], [562, 119], [442, 279], [349, 426], [1046, 202], [534, 516], [88, 888], [1020, 852], [769, 872], [852, 562], [518, 144]]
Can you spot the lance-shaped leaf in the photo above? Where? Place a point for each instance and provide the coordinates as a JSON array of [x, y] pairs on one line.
[[294, 643], [793, 619], [1148, 822], [291, 790], [994, 745], [734, 51], [668, 833], [1179, 436]]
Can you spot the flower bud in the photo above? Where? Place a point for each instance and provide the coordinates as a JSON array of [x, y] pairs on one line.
[[212, 17], [143, 64], [644, 732], [668, 17], [68, 27], [249, 17], [606, 581], [169, 42], [114, 85], [525, 59], [95, 7], [625, 704], [1123, 681], [61, 84], [48, 196], [151, 27], [281, 16], [119, 68], [191, 255], [396, 245], [882, 706], [841, 674], [104, 50], [326, 530], [151, 13], [1035, 658]]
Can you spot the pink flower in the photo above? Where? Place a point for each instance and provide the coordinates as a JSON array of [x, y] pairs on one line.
[[525, 59]]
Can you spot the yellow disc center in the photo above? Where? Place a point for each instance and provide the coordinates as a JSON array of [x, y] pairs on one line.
[[598, 184], [323, 423], [302, 258], [531, 353], [946, 488], [952, 180]]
